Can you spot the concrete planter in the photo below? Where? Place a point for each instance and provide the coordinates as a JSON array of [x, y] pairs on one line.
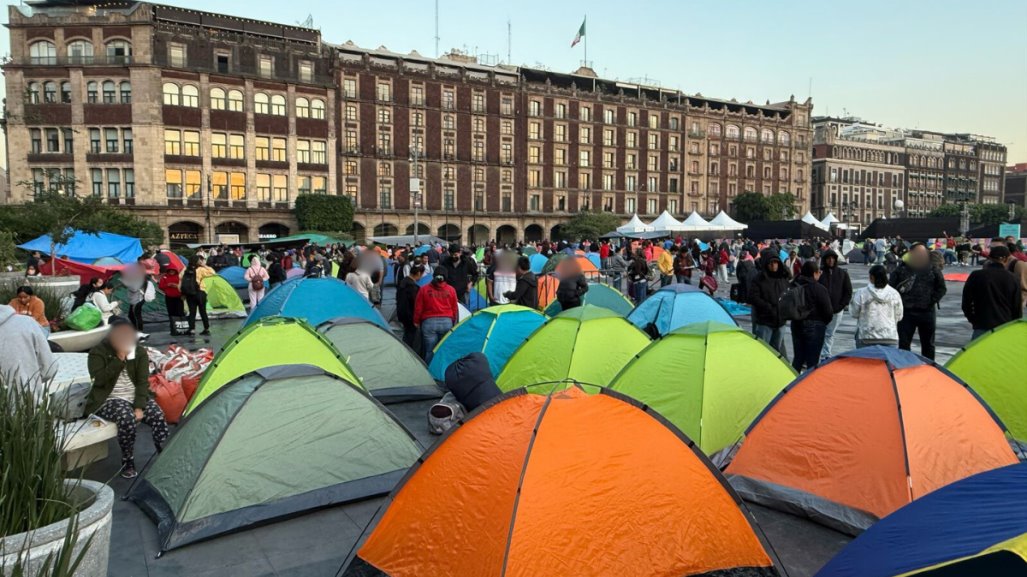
[[94, 521], [57, 285]]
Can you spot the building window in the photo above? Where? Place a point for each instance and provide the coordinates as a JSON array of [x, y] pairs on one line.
[[238, 186], [714, 130], [223, 62], [43, 52], [302, 108], [96, 178], [218, 145], [53, 141], [172, 142], [416, 95], [125, 89], [219, 185], [109, 93], [384, 116], [236, 146], [609, 116], [262, 148], [448, 198], [130, 182], [172, 183], [585, 114], [49, 92], [33, 92], [585, 158], [113, 183], [235, 100], [384, 92], [506, 105], [278, 149], [533, 203], [264, 188], [126, 140], [266, 66], [217, 99], [69, 140], [94, 140], [351, 112], [119, 52], [177, 55], [278, 105], [80, 52], [171, 95], [191, 143], [534, 108], [319, 152], [280, 188], [261, 103], [111, 138], [349, 88], [448, 100], [478, 151], [306, 71], [478, 102], [385, 194], [303, 151], [783, 138], [317, 109]]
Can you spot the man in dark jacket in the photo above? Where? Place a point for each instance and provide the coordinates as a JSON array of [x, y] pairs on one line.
[[764, 292], [921, 286], [459, 272], [808, 333], [406, 296], [570, 291], [991, 295], [526, 291], [839, 287]]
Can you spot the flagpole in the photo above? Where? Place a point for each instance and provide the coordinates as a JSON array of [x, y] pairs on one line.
[[585, 23]]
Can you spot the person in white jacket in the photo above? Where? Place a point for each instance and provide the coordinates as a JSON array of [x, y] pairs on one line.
[[877, 309], [101, 299]]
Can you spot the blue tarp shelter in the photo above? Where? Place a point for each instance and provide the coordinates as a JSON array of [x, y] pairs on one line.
[[315, 300], [88, 248], [677, 305], [496, 332]]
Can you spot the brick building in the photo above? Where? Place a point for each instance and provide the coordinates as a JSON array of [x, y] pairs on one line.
[[1015, 189], [212, 125]]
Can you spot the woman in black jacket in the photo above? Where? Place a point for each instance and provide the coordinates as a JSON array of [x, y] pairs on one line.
[[808, 333]]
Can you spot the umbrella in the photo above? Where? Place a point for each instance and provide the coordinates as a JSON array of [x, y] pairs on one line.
[[421, 250]]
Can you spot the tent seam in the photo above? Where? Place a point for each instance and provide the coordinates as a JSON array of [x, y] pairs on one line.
[[902, 431]]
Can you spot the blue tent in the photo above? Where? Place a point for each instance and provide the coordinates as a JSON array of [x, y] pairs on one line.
[[976, 526], [677, 305], [538, 262], [235, 277], [594, 257], [88, 248], [315, 300], [496, 332]]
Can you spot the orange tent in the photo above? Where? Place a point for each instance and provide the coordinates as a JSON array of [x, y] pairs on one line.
[[561, 485], [865, 434], [547, 285], [588, 268]]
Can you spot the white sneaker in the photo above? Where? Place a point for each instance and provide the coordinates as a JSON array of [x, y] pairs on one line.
[[142, 336]]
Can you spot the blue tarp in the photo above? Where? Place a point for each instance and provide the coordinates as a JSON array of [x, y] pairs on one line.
[[495, 335], [677, 305], [87, 248], [315, 300], [957, 521]]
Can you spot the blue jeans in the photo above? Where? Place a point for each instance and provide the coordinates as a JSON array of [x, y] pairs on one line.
[[640, 291], [825, 351], [432, 331], [773, 336]]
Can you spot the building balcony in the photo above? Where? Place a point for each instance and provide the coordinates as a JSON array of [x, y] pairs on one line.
[[50, 157], [108, 157], [697, 134], [95, 60]]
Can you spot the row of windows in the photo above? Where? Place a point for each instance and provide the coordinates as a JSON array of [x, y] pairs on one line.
[[188, 184], [383, 93], [44, 52], [62, 140], [220, 99], [107, 92], [233, 146]]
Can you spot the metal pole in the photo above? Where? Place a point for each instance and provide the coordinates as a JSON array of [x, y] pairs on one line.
[[417, 196], [210, 231]]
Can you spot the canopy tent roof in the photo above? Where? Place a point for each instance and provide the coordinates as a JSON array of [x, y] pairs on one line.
[[725, 222], [694, 222], [634, 225], [666, 222], [808, 218], [405, 239], [829, 220], [87, 248]]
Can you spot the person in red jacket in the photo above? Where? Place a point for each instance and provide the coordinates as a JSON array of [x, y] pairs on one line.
[[435, 313], [171, 285]]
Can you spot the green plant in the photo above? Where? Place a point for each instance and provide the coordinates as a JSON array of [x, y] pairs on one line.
[[52, 307], [589, 225], [981, 214], [322, 213], [755, 206], [60, 563], [8, 256]]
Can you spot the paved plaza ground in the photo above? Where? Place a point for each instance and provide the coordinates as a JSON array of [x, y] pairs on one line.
[[315, 544]]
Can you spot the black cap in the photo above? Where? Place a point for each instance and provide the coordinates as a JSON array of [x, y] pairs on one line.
[[999, 251]]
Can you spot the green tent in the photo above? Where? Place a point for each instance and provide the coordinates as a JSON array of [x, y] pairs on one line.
[[268, 342], [709, 379], [993, 365], [588, 344], [271, 444], [600, 295], [387, 368], [222, 300], [318, 238]]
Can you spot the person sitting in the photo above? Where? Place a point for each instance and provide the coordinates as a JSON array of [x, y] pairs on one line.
[[27, 303], [119, 368], [25, 355], [101, 299], [85, 291]]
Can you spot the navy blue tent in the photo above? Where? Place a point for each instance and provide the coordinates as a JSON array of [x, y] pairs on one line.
[[88, 248]]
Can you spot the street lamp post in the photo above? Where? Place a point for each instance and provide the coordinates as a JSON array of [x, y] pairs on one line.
[[415, 189]]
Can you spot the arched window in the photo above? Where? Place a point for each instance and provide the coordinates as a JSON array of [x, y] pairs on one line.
[[33, 92], [750, 134], [317, 108], [732, 131], [50, 91], [43, 52], [217, 99], [278, 105], [235, 100], [92, 92], [714, 129], [80, 52], [109, 94], [126, 92], [119, 52], [190, 96], [171, 95], [784, 138], [767, 136], [66, 92], [261, 103], [302, 108]]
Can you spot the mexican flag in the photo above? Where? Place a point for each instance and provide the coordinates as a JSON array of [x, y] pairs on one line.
[[579, 35]]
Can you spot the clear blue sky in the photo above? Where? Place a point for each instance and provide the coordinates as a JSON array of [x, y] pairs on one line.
[[943, 65]]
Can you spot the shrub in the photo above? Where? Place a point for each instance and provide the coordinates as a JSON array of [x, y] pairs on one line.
[[322, 213]]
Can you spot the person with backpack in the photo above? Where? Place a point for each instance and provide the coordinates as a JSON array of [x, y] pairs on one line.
[[808, 305], [255, 276], [276, 274], [921, 286], [836, 280], [638, 273], [194, 292], [877, 309], [572, 286]]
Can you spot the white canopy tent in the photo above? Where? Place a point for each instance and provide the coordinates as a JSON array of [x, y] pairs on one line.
[[635, 225], [666, 222], [695, 223], [808, 218], [724, 222], [829, 220]]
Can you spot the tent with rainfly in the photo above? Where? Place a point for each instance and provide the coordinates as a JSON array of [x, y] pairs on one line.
[[315, 300], [995, 367], [973, 527], [387, 368], [222, 300], [864, 434], [675, 306], [600, 295], [268, 342], [709, 379], [560, 264], [588, 344], [496, 332], [561, 484], [249, 454]]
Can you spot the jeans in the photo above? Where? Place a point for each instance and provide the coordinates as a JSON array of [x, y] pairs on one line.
[[682, 279], [913, 321], [432, 331], [832, 326], [640, 291], [807, 340], [773, 336]]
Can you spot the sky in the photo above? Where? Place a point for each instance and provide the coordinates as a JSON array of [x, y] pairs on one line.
[[945, 65]]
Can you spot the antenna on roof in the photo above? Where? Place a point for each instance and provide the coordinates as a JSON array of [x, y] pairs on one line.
[[436, 28], [509, 41], [308, 23]]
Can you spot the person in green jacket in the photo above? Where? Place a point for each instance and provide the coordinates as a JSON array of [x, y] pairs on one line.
[[120, 371]]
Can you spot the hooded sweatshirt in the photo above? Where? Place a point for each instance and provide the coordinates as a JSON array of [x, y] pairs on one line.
[[526, 291], [877, 312], [24, 353], [767, 289], [836, 280]]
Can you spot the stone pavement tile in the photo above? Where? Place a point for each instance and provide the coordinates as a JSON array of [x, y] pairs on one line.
[[362, 512], [254, 568], [229, 554], [322, 535], [802, 547], [321, 568]]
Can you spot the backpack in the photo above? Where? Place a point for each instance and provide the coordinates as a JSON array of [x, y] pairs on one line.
[[256, 283], [188, 285], [793, 306]]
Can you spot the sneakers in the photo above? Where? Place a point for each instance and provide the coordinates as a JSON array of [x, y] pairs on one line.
[[205, 333], [142, 336], [129, 472]]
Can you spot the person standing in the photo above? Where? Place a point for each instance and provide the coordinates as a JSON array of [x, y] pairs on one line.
[[839, 286], [525, 292], [808, 333], [991, 296], [638, 273], [255, 276], [276, 274], [360, 281], [459, 271], [766, 289], [406, 298], [1018, 266], [572, 286], [666, 263], [120, 369], [435, 313], [134, 278], [618, 269], [26, 303], [683, 265], [921, 287], [194, 290], [877, 309], [171, 285]]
